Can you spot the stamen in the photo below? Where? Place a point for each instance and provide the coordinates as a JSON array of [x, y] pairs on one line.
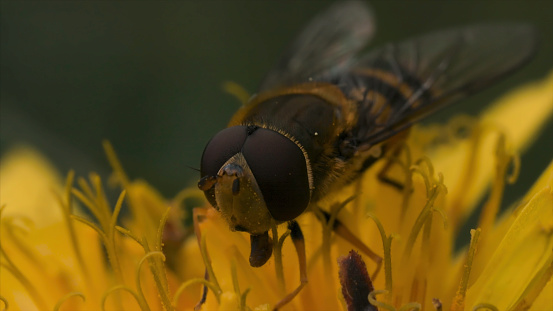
[[158, 271], [10, 267], [458, 303], [380, 305], [407, 191], [190, 282], [6, 304], [460, 123], [110, 247], [470, 168], [115, 164], [12, 226], [88, 203], [283, 237], [243, 299], [128, 290], [485, 306], [515, 160], [128, 234], [411, 306], [491, 208], [207, 261], [188, 193], [403, 148], [387, 245], [68, 197], [115, 214], [277, 254], [237, 91], [419, 283], [328, 225], [427, 164], [159, 237], [101, 201], [98, 205], [234, 275], [433, 190], [535, 286], [66, 207], [277, 251], [90, 224], [113, 221], [85, 188], [241, 296], [66, 297], [165, 302], [123, 180]]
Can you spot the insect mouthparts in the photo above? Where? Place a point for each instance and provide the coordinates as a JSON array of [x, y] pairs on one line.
[[236, 186], [240, 228]]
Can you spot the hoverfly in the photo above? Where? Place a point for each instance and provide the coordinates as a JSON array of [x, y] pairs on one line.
[[322, 115]]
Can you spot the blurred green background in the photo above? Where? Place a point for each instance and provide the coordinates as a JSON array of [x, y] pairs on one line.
[[147, 75]]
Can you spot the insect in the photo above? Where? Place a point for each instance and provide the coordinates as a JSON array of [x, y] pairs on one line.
[[322, 115]]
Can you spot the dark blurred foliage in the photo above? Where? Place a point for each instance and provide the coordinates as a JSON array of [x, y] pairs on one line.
[[147, 75]]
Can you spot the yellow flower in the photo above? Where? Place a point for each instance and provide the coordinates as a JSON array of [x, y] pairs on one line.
[[60, 254], [69, 248]]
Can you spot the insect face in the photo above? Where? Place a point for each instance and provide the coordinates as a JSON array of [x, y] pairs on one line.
[[255, 177]]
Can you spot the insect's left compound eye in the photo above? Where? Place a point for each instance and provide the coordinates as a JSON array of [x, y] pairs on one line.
[[219, 149], [280, 170]]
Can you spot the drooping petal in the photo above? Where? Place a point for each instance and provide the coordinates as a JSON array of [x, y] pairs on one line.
[[525, 250]]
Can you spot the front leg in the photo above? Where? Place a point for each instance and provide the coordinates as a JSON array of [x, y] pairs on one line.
[[339, 228]]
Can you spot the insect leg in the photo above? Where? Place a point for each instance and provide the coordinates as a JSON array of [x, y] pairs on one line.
[[198, 215], [347, 235], [299, 244], [395, 151], [383, 177], [203, 298]]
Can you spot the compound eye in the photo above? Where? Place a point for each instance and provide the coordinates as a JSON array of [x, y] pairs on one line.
[[219, 149], [280, 170], [222, 147]]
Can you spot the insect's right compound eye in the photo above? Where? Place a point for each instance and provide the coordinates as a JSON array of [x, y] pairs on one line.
[[280, 171], [219, 149]]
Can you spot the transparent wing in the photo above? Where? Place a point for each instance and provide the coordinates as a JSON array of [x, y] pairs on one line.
[[325, 46], [418, 76]]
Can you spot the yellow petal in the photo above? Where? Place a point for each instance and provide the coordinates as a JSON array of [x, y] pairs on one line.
[[28, 183], [229, 301], [523, 251], [545, 299], [468, 182], [523, 112]]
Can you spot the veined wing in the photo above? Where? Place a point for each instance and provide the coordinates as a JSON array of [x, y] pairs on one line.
[[325, 46], [403, 82]]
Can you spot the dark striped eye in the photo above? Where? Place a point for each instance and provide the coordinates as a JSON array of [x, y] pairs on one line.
[[280, 169]]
